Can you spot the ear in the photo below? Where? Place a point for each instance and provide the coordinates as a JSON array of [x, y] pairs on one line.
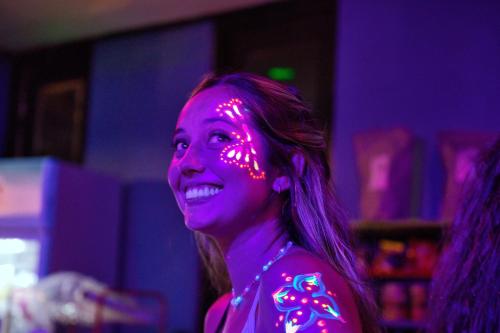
[[282, 183]]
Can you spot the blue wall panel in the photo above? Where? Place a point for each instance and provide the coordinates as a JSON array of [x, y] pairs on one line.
[[138, 86], [160, 253]]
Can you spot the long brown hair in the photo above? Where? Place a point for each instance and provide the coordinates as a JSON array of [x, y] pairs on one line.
[[465, 295], [311, 215]]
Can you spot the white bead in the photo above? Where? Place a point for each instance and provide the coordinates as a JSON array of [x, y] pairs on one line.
[[235, 301]]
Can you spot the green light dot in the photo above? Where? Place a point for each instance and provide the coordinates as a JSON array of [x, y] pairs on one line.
[[281, 73]]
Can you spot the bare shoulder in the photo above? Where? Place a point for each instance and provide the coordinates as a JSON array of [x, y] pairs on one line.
[[302, 292], [215, 313]]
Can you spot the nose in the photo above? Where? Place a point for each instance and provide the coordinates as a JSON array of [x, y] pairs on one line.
[[192, 161]]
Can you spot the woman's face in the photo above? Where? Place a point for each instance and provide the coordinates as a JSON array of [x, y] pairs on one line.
[[218, 171]]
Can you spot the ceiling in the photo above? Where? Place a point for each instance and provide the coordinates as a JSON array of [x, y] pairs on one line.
[[28, 24]]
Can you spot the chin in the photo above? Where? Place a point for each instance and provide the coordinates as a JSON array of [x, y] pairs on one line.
[[209, 228], [202, 226]]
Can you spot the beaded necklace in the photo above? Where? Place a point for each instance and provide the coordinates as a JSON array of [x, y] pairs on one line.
[[236, 300]]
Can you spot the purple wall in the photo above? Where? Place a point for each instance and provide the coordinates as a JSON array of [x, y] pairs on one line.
[[425, 65], [4, 101]]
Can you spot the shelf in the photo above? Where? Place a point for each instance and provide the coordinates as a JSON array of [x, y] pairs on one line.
[[401, 276], [371, 235], [403, 224], [403, 227], [403, 324]]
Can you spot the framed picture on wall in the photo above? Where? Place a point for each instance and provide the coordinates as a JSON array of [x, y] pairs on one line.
[[59, 120]]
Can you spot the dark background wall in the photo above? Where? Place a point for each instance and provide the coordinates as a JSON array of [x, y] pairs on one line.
[[4, 100], [424, 65]]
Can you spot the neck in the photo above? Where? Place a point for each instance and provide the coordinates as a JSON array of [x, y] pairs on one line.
[[254, 248]]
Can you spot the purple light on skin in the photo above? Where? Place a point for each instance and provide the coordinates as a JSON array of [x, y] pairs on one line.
[[242, 153], [305, 301]]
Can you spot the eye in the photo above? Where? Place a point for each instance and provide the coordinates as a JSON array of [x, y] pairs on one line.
[[218, 137], [179, 145]]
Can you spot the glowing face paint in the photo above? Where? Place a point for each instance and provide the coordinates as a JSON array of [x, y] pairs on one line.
[[305, 301], [242, 153], [291, 328]]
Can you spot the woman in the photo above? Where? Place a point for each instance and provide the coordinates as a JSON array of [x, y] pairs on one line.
[[466, 290], [251, 177]]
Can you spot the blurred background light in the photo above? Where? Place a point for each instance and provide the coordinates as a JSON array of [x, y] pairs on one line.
[[12, 246], [281, 73]]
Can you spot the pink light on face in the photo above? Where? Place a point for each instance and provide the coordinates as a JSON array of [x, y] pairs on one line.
[[281, 317], [304, 300], [288, 279], [321, 323], [242, 153], [292, 298]]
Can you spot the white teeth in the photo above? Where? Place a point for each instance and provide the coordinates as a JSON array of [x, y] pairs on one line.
[[200, 192]]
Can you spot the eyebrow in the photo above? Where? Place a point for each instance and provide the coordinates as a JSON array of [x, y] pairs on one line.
[[215, 119], [208, 121]]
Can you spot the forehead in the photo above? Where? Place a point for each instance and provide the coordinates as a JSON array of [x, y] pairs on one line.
[[204, 104]]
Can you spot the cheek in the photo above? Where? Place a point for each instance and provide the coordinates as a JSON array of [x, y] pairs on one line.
[[172, 174], [240, 172], [244, 156]]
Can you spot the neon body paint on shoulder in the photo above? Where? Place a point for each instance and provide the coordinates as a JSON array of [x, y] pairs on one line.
[[242, 154], [304, 301]]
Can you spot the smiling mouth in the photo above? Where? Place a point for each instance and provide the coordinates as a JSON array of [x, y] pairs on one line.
[[201, 194]]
